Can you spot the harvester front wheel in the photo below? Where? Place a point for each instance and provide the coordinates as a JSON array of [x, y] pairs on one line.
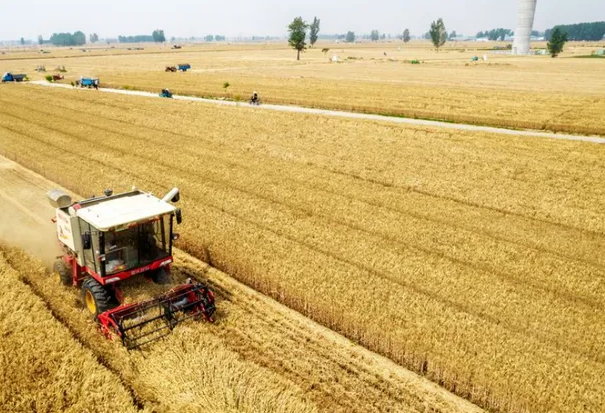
[[95, 297], [62, 271], [161, 276]]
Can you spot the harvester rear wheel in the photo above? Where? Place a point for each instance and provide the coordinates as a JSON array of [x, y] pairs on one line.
[[63, 272], [95, 297]]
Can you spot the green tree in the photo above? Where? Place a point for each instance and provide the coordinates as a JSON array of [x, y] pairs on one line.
[[209, 38], [22, 41], [68, 39], [40, 40], [350, 37], [298, 34], [453, 35], [158, 36], [314, 31], [93, 38], [558, 38], [438, 33], [581, 31], [406, 35], [375, 35]]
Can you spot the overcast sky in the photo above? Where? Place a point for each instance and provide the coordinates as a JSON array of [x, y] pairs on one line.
[[185, 18]]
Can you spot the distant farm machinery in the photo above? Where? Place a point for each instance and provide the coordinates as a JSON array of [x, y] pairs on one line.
[[183, 67], [9, 77], [89, 82], [165, 93]]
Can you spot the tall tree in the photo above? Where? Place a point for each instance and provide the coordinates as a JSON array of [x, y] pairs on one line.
[[406, 35], [558, 38], [209, 38], [298, 34], [158, 36], [375, 35], [350, 37], [453, 35], [93, 38], [40, 40], [314, 31], [438, 33], [22, 41]]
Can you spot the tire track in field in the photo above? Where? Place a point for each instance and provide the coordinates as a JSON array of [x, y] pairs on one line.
[[137, 401]]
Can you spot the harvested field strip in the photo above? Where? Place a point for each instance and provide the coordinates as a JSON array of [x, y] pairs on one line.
[[256, 356], [55, 374], [440, 279]]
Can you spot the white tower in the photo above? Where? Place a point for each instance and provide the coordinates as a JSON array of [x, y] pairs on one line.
[[525, 24]]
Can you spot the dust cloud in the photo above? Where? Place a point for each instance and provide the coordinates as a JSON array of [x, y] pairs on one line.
[[34, 234]]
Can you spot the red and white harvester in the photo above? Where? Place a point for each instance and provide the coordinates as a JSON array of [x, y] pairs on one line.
[[111, 238]]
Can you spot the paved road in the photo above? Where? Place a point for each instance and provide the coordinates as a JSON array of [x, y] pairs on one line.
[[353, 115]]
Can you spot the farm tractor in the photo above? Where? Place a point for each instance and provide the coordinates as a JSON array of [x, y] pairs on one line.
[[170, 69], [111, 238], [166, 94]]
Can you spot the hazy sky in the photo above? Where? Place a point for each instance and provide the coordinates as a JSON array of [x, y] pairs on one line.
[[185, 18]]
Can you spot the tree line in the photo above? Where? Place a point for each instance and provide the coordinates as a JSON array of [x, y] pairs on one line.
[[67, 39], [581, 31]]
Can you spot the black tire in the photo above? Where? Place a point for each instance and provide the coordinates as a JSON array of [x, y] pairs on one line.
[[93, 291], [63, 272], [161, 276]]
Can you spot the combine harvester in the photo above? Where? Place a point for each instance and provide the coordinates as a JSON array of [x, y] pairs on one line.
[[111, 238], [9, 77], [184, 67]]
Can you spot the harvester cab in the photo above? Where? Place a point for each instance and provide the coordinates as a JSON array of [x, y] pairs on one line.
[[111, 238]]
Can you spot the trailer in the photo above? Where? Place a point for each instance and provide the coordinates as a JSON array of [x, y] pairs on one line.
[[184, 67], [9, 77], [89, 82]]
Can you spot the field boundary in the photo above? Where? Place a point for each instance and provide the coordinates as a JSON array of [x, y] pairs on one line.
[[353, 115]]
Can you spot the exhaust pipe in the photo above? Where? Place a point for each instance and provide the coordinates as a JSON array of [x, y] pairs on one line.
[[173, 196]]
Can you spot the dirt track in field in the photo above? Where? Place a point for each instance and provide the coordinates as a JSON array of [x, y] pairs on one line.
[[327, 371], [353, 115]]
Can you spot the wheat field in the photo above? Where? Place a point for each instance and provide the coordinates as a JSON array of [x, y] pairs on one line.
[[43, 367], [561, 95], [470, 258], [258, 356]]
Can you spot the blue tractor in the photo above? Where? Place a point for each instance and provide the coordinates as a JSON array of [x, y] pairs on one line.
[[184, 67], [166, 94], [9, 77], [89, 82]]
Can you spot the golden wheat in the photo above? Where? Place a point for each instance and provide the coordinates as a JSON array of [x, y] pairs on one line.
[[43, 367], [563, 95], [472, 258]]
